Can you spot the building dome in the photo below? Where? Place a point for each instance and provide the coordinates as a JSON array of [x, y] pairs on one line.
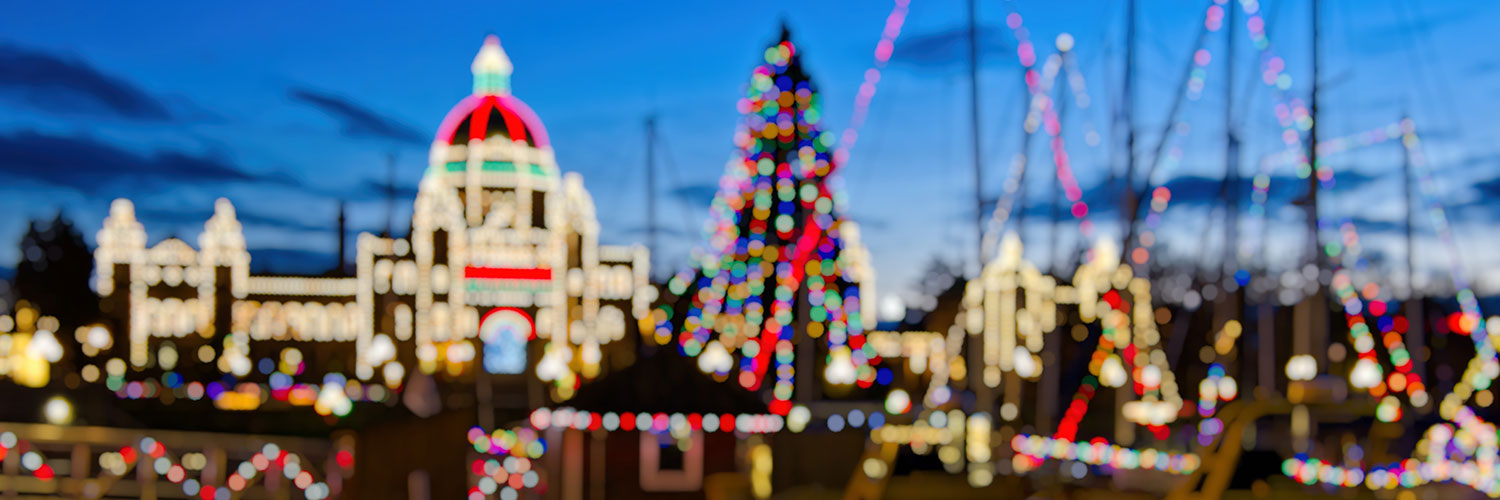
[[492, 111]]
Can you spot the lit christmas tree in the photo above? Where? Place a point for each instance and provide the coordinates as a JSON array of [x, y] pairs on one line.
[[782, 265]]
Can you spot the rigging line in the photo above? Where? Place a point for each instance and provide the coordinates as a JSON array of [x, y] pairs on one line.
[[1072, 70], [682, 204], [1443, 94], [1014, 179], [998, 154], [1423, 38], [1161, 142], [1443, 98], [1026, 55], [1055, 259], [1042, 114], [1469, 305], [1250, 87], [1202, 268], [880, 114], [883, 50], [1119, 109]]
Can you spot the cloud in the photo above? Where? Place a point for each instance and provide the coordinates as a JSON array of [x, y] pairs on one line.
[[1392, 36], [1188, 192], [357, 120], [1200, 190], [1482, 68], [1366, 225], [50, 82], [950, 47], [248, 217], [1488, 188], [694, 195], [1485, 160], [92, 166], [365, 190], [877, 224], [664, 231], [376, 190], [292, 261]]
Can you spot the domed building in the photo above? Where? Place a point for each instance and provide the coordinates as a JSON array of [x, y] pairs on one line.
[[505, 247], [499, 301], [502, 272]]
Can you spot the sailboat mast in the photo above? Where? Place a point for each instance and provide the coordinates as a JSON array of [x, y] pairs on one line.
[[974, 125], [1127, 116], [1231, 150], [1311, 202], [651, 185]]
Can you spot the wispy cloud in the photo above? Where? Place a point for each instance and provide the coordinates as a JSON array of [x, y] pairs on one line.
[[248, 216], [357, 120], [51, 82], [91, 166], [694, 195], [291, 261], [1191, 192], [950, 47], [1488, 188], [665, 231]]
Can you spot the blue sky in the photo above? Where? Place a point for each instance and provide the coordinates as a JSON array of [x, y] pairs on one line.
[[288, 109]]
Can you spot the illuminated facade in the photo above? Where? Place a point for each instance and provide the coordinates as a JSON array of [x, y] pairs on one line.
[[502, 274]]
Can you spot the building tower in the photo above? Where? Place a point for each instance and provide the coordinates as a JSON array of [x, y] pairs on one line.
[[506, 247]]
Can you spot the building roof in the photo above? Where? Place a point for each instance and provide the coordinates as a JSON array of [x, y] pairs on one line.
[[492, 111]]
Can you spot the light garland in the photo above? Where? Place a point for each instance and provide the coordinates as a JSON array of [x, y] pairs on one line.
[[1215, 388], [511, 467], [883, 51], [677, 424], [32, 461], [1032, 451], [152, 453], [1129, 343], [1140, 250], [1041, 112], [1464, 454], [1291, 113], [1026, 55], [1482, 368], [1294, 120]]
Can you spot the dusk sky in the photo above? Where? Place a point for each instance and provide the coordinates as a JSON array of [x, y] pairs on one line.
[[287, 112]]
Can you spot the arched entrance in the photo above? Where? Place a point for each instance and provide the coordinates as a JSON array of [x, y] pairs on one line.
[[504, 332]]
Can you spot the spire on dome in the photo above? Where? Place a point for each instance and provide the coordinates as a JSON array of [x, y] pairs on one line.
[[491, 69]]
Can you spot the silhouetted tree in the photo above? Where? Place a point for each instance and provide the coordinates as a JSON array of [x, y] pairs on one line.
[[938, 277], [54, 272]]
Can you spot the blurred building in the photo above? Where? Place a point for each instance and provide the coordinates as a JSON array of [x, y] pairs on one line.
[[499, 301]]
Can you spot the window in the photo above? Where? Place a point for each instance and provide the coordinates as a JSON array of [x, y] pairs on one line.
[[667, 467]]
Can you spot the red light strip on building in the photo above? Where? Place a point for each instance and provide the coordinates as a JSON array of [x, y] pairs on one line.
[[507, 273]]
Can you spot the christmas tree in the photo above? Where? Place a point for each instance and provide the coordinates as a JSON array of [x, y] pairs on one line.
[[782, 265]]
